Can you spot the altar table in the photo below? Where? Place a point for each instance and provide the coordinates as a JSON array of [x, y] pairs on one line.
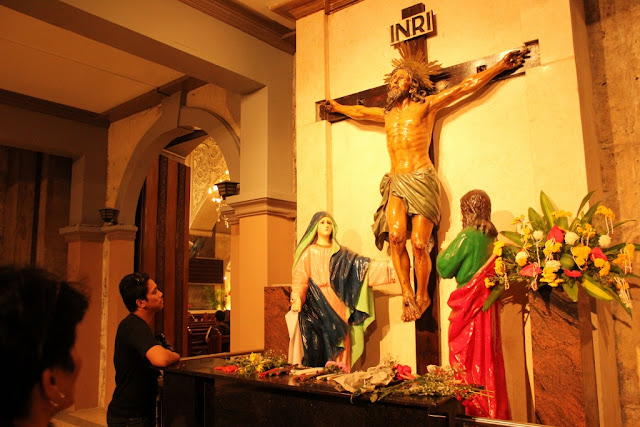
[[195, 394]]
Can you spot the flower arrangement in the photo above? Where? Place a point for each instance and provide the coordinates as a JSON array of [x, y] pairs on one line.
[[267, 364], [552, 251], [391, 378]]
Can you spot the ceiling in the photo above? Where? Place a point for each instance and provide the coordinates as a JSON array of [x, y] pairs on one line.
[[56, 65]]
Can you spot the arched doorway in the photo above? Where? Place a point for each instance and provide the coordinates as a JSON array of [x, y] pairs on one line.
[[165, 211]]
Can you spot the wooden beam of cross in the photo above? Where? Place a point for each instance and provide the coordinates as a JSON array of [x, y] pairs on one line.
[[450, 76]]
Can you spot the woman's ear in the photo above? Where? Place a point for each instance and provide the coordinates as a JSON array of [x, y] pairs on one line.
[[49, 386]]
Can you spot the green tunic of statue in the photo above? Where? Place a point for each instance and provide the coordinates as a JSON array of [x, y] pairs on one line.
[[465, 255]]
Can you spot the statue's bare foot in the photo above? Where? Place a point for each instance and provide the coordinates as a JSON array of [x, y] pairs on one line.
[[410, 310], [423, 304]]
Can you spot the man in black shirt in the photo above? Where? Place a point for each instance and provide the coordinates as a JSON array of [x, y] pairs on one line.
[[138, 354]]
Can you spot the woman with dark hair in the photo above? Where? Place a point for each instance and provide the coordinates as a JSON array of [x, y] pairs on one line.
[[331, 290], [474, 335], [39, 363]]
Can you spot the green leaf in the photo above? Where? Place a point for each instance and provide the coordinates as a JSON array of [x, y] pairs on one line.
[[585, 199], [618, 224], [571, 289], [513, 236], [595, 289], [617, 298], [615, 248], [589, 215], [536, 220], [510, 251], [495, 293], [547, 209], [563, 222]]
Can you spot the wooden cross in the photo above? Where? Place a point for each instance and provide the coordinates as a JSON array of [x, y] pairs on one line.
[[414, 20]]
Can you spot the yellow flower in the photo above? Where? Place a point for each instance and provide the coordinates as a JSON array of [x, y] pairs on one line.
[[555, 283], [499, 266], [606, 212], [625, 257], [599, 262], [497, 248], [630, 248], [561, 214], [580, 254], [604, 271], [488, 283], [551, 247], [252, 357], [518, 219]]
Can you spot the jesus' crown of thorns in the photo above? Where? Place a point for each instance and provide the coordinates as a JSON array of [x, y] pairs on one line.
[[417, 64]]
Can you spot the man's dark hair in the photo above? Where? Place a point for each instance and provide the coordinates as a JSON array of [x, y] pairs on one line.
[[220, 316], [132, 288], [476, 212], [38, 319]]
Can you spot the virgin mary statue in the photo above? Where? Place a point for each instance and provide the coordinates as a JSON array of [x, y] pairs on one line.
[[331, 290]]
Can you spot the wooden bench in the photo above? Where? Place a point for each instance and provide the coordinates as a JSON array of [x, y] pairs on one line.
[[205, 338]]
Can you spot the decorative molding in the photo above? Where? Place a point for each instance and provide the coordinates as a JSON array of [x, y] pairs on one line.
[[52, 108], [264, 206], [120, 232], [249, 21], [296, 9], [230, 214], [83, 233]]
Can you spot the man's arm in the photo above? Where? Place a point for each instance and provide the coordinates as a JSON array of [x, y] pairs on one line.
[[357, 112], [160, 357], [471, 84]]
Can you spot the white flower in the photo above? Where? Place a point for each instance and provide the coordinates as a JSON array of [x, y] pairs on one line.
[[552, 265], [538, 235], [521, 258], [570, 238], [604, 241]]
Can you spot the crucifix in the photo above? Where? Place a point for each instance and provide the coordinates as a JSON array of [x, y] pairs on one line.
[[409, 211]]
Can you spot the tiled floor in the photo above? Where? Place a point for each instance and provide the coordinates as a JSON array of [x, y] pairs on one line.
[[96, 417]]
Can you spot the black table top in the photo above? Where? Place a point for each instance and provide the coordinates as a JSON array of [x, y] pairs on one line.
[[204, 366]]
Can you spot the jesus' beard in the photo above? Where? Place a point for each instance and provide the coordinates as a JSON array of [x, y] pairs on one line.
[[394, 95]]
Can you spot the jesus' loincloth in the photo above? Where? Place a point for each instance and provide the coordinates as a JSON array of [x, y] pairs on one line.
[[420, 191]]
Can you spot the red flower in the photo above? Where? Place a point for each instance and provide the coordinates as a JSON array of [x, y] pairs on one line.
[[230, 369], [572, 273], [597, 253], [404, 372], [556, 234], [530, 270]]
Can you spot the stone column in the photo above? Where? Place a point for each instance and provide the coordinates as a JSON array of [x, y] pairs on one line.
[[85, 265]]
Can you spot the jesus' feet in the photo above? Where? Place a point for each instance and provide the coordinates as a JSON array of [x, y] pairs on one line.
[[410, 310], [423, 302]]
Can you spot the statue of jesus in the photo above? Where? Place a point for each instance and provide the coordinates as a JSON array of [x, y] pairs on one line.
[[411, 190]]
